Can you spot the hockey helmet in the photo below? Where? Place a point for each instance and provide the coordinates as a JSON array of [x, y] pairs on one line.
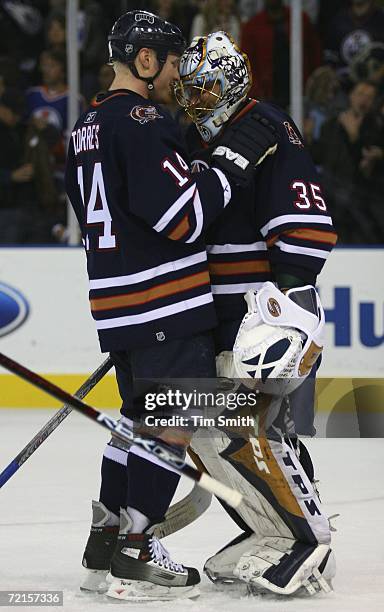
[[138, 29], [215, 79]]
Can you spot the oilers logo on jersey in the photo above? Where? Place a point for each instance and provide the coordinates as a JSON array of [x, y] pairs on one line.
[[143, 114]]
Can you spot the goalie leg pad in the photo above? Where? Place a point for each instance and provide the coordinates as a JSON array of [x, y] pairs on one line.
[[283, 566], [256, 512]]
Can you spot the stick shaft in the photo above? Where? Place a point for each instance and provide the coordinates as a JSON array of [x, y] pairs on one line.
[[53, 423], [121, 431]]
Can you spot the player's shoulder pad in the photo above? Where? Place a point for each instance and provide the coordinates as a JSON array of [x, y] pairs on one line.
[[286, 129]]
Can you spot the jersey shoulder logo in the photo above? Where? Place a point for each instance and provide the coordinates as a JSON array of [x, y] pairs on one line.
[[90, 117], [143, 114], [293, 136], [198, 165]]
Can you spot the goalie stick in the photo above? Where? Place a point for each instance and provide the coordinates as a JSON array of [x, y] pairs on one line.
[[184, 512], [53, 423], [152, 446]]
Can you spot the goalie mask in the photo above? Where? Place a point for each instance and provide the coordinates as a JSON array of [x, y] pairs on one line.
[[215, 79], [279, 339]]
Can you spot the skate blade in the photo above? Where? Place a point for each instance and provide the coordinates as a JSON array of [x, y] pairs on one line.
[[141, 590], [95, 581]]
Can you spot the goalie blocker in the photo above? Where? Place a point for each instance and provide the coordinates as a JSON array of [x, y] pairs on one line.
[[279, 339]]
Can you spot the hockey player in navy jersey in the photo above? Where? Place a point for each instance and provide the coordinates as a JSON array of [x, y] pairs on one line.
[[142, 215], [268, 246]]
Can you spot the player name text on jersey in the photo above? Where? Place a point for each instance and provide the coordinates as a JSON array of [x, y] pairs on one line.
[[86, 138]]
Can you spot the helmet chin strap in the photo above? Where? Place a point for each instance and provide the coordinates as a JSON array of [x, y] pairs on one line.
[[148, 80]]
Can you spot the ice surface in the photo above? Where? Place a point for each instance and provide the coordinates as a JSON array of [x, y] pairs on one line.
[[45, 513]]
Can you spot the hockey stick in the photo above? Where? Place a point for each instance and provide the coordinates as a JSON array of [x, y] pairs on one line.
[[53, 423], [178, 516], [184, 512], [152, 446]]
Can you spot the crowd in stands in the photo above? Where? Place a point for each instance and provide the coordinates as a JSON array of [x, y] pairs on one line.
[[343, 68]]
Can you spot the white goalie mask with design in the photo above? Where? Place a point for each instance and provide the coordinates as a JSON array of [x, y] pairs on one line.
[[215, 79]]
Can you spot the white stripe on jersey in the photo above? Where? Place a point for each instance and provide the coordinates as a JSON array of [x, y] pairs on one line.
[[236, 288], [156, 313], [225, 185], [138, 277], [283, 219], [175, 208], [199, 217], [290, 248], [116, 454], [217, 249]]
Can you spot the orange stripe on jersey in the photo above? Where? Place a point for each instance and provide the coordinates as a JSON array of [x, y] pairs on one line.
[[154, 293], [315, 235], [180, 230], [239, 267], [245, 110], [306, 234], [120, 93]]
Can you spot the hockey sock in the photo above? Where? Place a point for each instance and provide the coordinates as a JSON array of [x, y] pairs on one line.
[[139, 521], [150, 487], [113, 490]]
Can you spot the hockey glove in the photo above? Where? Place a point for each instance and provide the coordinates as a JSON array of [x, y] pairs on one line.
[[243, 146]]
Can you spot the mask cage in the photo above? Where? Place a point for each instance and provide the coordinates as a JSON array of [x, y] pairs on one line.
[[201, 95]]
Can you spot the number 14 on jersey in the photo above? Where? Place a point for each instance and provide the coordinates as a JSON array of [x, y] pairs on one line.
[[96, 207]]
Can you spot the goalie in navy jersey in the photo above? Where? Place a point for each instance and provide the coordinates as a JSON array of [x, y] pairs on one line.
[[268, 247], [142, 216]]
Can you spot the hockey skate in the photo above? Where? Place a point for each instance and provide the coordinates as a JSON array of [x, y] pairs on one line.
[[99, 550], [142, 570]]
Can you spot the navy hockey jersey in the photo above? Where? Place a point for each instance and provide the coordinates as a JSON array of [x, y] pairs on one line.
[[142, 215], [280, 224]]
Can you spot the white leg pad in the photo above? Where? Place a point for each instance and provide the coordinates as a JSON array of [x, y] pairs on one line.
[[254, 567]]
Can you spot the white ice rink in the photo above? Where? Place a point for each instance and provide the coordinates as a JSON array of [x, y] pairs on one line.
[[45, 517]]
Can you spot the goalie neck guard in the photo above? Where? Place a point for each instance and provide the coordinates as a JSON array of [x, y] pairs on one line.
[[215, 79]]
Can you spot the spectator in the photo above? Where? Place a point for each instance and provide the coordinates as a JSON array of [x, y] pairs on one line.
[[265, 39], [47, 108], [340, 152], [327, 11], [92, 34], [369, 66], [372, 173], [322, 99], [21, 26], [47, 103], [176, 11], [350, 31], [217, 15], [27, 195], [249, 8], [56, 32]]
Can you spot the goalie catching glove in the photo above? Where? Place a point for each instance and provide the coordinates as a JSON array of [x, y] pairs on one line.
[[280, 338], [243, 146]]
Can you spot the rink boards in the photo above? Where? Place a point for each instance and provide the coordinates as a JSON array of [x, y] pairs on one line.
[[45, 323]]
